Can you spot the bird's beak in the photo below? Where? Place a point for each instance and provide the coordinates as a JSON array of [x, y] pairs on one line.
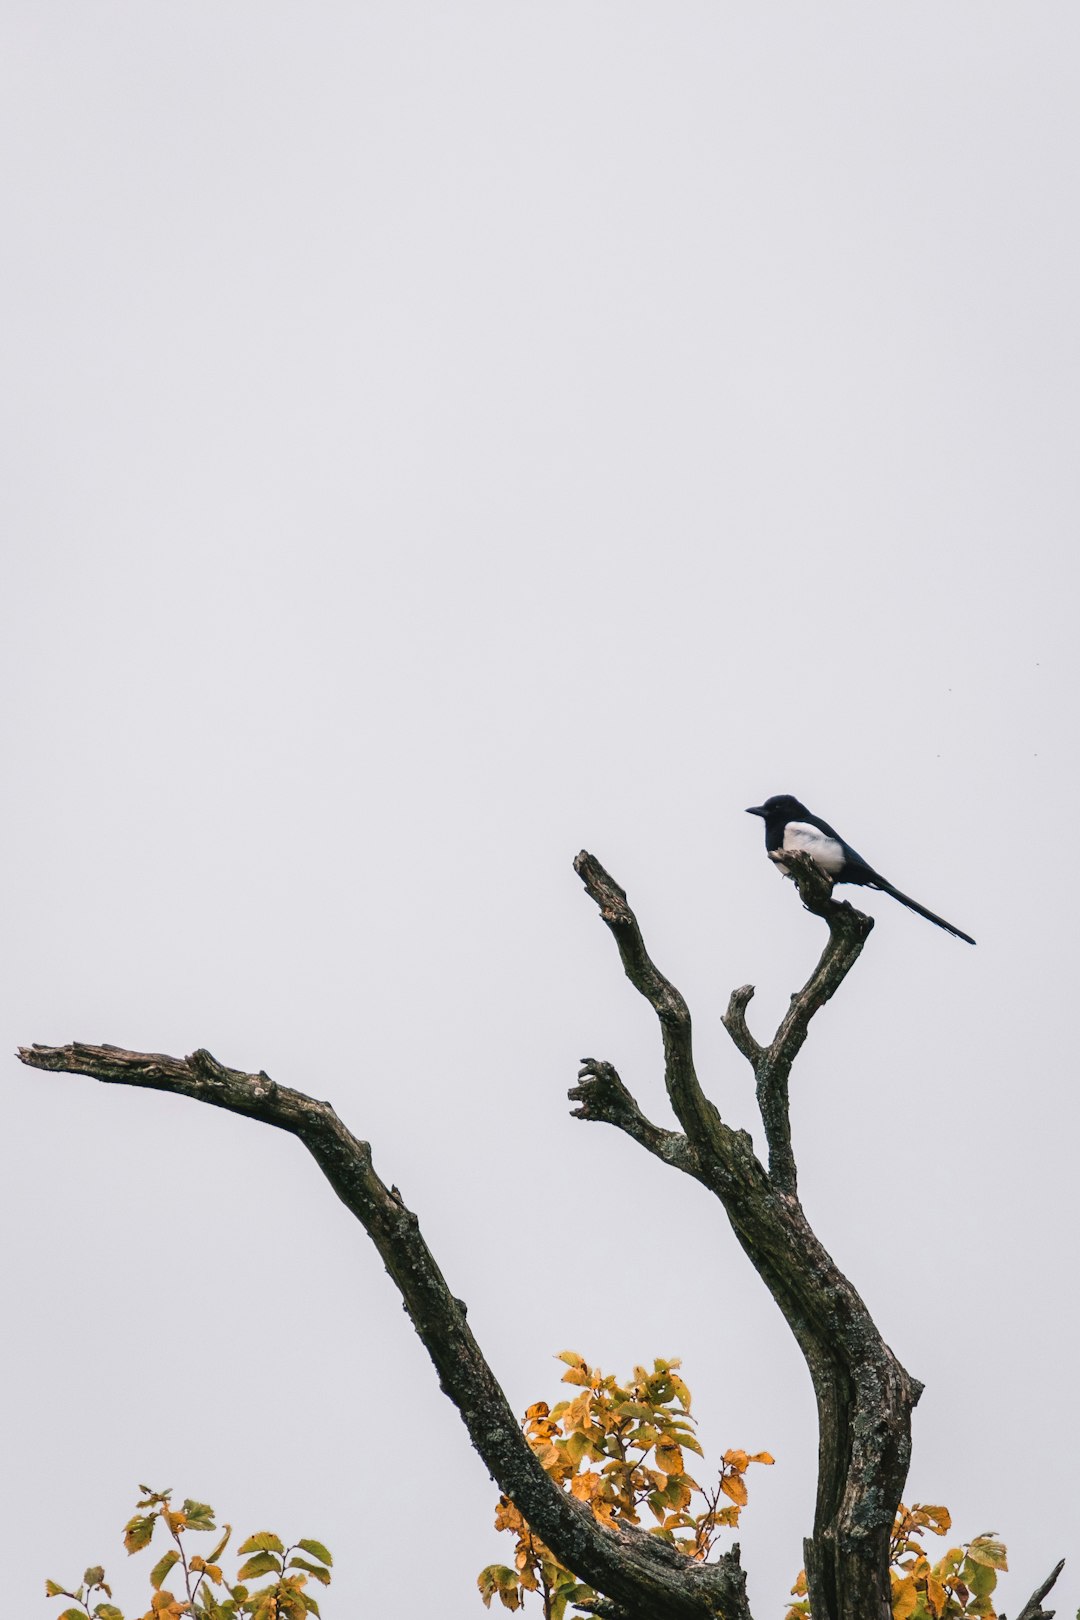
[[756, 810]]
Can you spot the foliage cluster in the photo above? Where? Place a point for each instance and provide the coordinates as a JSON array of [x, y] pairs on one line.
[[620, 1448], [207, 1594], [960, 1583]]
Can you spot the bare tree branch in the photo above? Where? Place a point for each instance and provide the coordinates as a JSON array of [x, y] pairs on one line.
[[603, 1096], [645, 1577], [695, 1113], [864, 1395], [1033, 1609], [734, 1022], [848, 932]]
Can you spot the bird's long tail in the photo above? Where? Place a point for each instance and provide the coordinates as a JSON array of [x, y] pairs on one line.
[[913, 905]]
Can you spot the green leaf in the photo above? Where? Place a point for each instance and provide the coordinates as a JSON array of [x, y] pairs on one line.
[[108, 1611], [199, 1515], [160, 1572], [94, 1575], [72, 1614], [137, 1532], [52, 1590], [264, 1541], [631, 1408], [981, 1578], [310, 1605], [320, 1574], [317, 1550], [263, 1563]]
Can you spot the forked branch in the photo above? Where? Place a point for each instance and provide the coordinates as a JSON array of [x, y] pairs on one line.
[[848, 933], [864, 1395]]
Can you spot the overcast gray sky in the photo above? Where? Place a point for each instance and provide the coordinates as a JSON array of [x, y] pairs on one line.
[[439, 437]]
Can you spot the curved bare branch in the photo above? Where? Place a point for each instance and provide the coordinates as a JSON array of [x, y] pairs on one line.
[[645, 1577], [695, 1113]]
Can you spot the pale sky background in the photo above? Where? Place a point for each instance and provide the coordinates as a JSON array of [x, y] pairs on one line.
[[440, 437]]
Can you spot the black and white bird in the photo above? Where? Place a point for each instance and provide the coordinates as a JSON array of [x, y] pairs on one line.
[[790, 825]]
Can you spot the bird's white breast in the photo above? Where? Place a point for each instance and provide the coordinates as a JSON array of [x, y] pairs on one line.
[[828, 852]]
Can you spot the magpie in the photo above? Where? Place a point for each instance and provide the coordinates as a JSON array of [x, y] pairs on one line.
[[790, 825]]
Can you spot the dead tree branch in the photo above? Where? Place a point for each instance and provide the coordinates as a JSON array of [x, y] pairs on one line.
[[1033, 1609], [864, 1395], [693, 1110], [646, 1579], [848, 933]]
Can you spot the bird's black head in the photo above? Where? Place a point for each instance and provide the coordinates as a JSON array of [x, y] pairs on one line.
[[781, 807]]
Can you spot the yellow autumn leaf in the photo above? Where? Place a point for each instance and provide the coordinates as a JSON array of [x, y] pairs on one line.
[[936, 1597], [763, 1457], [508, 1516], [575, 1414], [669, 1459], [733, 1485], [988, 1552], [737, 1460], [905, 1597]]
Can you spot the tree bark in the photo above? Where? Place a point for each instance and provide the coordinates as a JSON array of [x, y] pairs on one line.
[[1033, 1609], [646, 1578], [864, 1395]]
